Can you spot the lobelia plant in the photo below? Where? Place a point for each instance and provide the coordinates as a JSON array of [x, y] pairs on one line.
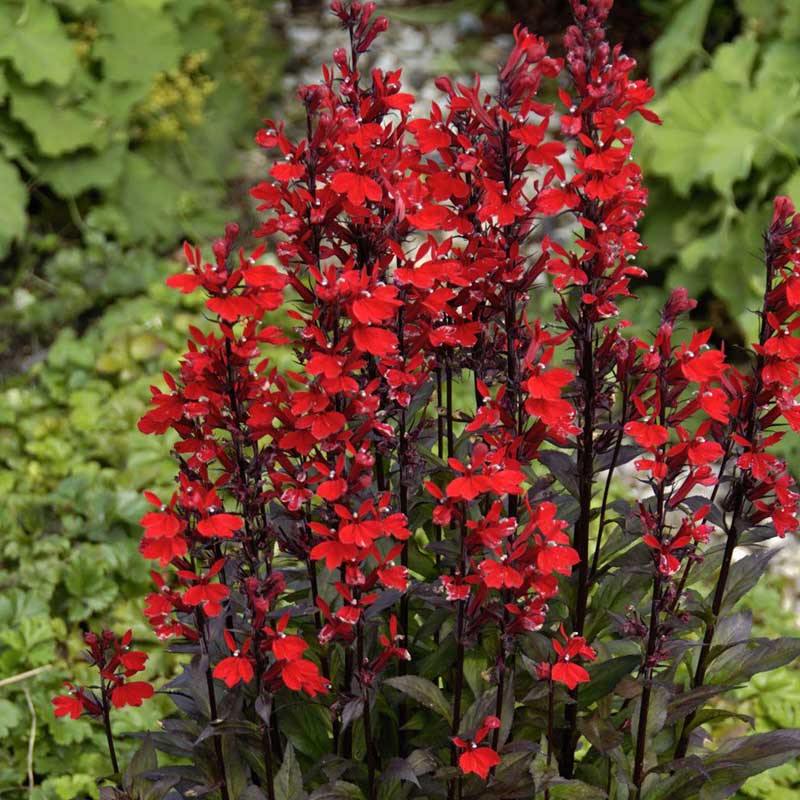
[[405, 568]]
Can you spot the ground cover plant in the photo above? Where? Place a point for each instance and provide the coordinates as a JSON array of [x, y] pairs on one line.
[[400, 568]]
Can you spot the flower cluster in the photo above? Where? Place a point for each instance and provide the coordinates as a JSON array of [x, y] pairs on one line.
[[116, 663]]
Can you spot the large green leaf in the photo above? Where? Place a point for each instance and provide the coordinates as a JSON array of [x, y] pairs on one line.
[[73, 175], [34, 40], [307, 726], [728, 152], [690, 110], [734, 60], [289, 780], [57, 119], [681, 40], [151, 202], [13, 202], [727, 768], [743, 660], [604, 676], [135, 44], [423, 691]]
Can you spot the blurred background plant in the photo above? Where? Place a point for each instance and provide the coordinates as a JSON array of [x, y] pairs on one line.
[[126, 126]]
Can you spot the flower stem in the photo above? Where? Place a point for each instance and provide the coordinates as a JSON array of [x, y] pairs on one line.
[[109, 735], [585, 353], [550, 728], [266, 749], [212, 703], [372, 786], [458, 677], [644, 708], [607, 488]]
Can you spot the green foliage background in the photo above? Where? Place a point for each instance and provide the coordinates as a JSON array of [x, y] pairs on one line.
[[120, 126]]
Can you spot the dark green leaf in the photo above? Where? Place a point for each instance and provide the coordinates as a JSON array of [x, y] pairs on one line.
[[307, 726], [742, 661], [289, 780], [745, 573], [238, 727], [726, 769], [143, 759], [423, 691], [601, 733], [340, 790], [400, 769], [604, 677], [562, 467], [684, 704]]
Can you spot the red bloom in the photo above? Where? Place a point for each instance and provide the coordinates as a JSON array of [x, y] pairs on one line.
[[162, 525], [64, 705], [565, 670], [647, 434], [357, 187], [478, 760], [497, 575], [289, 648], [236, 668], [131, 693], [222, 525], [303, 675], [569, 673], [207, 595], [233, 670]]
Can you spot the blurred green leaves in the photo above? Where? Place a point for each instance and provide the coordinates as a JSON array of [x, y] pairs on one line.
[[33, 39], [135, 44], [729, 144], [13, 198], [119, 97], [682, 39]]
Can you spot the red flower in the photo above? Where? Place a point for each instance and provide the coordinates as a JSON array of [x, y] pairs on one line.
[[202, 592], [289, 648], [162, 525], [163, 550], [303, 675], [376, 305], [222, 525], [131, 693], [478, 760], [647, 434], [64, 705], [701, 366], [498, 575], [569, 673], [554, 558], [668, 564], [357, 187], [236, 668], [75, 703], [565, 670], [207, 595], [233, 670]]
